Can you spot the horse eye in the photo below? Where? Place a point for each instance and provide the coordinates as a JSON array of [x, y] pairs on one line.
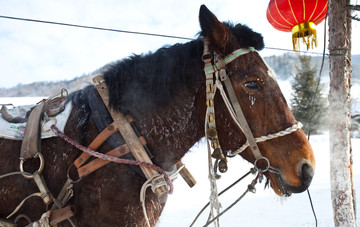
[[253, 85]]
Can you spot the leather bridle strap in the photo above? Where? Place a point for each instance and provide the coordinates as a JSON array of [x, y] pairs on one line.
[[240, 115]]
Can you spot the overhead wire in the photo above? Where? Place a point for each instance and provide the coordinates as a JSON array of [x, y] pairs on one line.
[[126, 31]]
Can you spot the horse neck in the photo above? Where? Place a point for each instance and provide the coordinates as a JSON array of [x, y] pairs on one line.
[[173, 129]]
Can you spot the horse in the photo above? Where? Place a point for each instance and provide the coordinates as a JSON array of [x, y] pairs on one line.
[[165, 93]]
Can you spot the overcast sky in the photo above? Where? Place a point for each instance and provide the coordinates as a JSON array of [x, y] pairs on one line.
[[32, 52]]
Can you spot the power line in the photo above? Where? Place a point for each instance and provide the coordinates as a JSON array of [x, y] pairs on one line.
[[92, 27], [128, 32]]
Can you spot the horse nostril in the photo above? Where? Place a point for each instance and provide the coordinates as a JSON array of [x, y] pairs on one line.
[[306, 173]]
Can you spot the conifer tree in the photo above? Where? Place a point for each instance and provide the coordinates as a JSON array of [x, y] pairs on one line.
[[307, 104]]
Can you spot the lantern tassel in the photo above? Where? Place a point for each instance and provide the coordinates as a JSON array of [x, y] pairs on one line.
[[306, 33]]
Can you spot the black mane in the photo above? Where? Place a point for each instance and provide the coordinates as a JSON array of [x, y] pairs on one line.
[[143, 83], [147, 82]]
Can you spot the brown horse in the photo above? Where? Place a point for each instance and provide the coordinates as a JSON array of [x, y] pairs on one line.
[[165, 93]]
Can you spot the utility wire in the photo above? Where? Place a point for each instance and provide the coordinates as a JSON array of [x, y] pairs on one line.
[[125, 31], [92, 27], [310, 116]]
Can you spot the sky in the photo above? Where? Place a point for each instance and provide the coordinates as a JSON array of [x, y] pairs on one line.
[[31, 52]]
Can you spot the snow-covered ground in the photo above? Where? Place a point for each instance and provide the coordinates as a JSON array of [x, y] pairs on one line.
[[263, 208]]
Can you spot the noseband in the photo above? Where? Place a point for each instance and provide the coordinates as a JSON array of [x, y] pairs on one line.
[[212, 84]]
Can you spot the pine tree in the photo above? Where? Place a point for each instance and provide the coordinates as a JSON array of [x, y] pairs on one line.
[[307, 104]]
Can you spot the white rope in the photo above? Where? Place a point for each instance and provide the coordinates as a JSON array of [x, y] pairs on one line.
[[285, 132], [155, 181], [214, 197]]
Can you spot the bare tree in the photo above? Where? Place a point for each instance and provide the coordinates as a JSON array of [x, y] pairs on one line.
[[342, 191]]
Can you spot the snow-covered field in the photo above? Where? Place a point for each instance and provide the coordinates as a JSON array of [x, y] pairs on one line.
[[263, 208]]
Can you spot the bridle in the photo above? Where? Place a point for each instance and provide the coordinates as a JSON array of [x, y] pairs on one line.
[[218, 81]]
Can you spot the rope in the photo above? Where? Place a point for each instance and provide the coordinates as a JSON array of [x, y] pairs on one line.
[[15, 173], [214, 197], [223, 191], [285, 132], [151, 182], [112, 158], [250, 188]]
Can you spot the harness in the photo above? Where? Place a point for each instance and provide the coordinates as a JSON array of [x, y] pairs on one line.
[[121, 134]]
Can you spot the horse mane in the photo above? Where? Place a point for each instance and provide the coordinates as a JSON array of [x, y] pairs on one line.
[[144, 83]]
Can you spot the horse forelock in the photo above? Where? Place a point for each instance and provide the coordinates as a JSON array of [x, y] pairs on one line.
[[245, 36]]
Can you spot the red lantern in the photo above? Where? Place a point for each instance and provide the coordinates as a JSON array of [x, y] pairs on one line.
[[298, 17]]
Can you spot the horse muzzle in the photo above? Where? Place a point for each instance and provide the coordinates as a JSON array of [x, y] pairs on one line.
[[281, 187]]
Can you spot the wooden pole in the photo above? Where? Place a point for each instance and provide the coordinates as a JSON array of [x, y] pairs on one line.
[[340, 127]]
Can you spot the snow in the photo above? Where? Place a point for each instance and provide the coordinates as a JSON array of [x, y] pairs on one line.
[[263, 208]]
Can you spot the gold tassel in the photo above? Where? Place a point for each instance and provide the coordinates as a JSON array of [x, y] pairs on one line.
[[306, 33]]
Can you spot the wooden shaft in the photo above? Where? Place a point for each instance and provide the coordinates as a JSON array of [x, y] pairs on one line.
[[62, 214], [95, 144], [128, 134], [185, 173]]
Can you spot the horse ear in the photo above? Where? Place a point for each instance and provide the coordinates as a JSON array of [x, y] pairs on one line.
[[213, 30]]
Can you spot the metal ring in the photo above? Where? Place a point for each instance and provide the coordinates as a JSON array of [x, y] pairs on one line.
[[259, 169], [69, 177], [41, 167], [63, 90], [44, 123]]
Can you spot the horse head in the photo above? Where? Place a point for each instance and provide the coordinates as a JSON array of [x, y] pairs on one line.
[[284, 148]]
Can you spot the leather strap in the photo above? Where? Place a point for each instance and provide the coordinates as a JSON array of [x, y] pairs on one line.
[[31, 142], [240, 115]]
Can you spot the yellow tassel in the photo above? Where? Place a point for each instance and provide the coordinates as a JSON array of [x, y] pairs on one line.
[[306, 33]]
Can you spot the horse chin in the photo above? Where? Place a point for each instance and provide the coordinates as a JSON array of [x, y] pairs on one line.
[[280, 187]]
